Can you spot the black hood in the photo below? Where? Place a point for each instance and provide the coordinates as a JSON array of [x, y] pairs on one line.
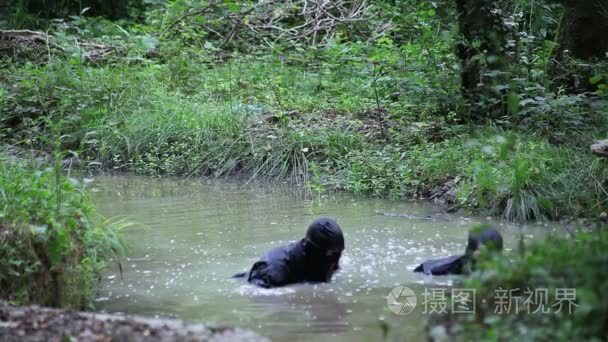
[[325, 234], [484, 235]]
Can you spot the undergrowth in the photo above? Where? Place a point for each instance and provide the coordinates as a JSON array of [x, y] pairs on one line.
[[539, 306], [52, 246], [377, 117], [519, 177]]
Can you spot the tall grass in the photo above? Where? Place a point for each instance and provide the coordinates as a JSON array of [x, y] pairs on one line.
[[276, 116], [520, 179], [183, 118]]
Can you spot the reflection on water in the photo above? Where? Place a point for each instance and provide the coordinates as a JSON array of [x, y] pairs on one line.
[[195, 234]]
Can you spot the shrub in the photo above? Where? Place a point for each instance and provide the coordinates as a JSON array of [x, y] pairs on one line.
[[51, 246], [576, 263]]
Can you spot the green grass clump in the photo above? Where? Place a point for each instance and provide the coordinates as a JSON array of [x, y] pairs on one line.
[[51, 248], [519, 177], [524, 177], [179, 118]]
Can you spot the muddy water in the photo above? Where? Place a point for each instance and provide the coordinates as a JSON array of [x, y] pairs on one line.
[[193, 235]]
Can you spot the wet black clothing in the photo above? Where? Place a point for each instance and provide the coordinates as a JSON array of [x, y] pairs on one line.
[[313, 259], [325, 234], [487, 236], [287, 265], [454, 264], [463, 263]]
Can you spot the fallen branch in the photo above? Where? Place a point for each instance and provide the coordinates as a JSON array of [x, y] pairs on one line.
[[20, 42], [296, 21], [200, 11], [10, 38]]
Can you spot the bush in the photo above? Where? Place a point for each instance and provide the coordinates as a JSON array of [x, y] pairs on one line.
[[556, 263], [51, 247]]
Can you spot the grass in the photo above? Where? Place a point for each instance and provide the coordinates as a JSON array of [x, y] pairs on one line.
[[520, 177], [387, 130], [51, 244]]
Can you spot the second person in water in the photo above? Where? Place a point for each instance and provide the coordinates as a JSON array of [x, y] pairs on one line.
[[481, 237]]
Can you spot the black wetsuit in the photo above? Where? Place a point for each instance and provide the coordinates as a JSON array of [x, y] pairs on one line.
[[462, 263], [454, 264], [306, 260], [288, 265]]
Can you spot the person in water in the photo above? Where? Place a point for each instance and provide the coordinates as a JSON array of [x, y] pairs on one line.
[[481, 237], [313, 259]]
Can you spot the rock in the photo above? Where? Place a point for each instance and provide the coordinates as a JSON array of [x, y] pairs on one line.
[[600, 148], [445, 194], [453, 209], [30, 324], [438, 333]]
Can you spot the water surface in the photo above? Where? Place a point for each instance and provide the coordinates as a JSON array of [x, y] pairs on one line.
[[194, 234]]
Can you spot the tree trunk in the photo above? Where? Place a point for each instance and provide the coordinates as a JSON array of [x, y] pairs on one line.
[[583, 36], [484, 56]]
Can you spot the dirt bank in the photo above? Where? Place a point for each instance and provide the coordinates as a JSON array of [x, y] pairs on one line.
[[45, 324]]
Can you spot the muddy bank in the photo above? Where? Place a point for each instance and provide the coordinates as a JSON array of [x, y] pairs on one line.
[[45, 324]]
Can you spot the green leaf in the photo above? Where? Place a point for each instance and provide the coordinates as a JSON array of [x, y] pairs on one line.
[[513, 102], [595, 79], [39, 229], [59, 245], [16, 262], [149, 42], [232, 6], [209, 46]]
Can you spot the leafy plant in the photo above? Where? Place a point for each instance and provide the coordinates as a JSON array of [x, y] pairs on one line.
[[51, 247]]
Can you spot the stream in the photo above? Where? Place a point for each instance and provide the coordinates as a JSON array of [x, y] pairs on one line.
[[192, 235]]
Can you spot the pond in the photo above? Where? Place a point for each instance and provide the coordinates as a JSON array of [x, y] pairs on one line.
[[192, 235]]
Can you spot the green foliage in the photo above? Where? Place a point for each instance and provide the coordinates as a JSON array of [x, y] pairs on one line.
[[557, 263], [533, 179], [378, 116], [396, 171], [51, 247], [518, 177]]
